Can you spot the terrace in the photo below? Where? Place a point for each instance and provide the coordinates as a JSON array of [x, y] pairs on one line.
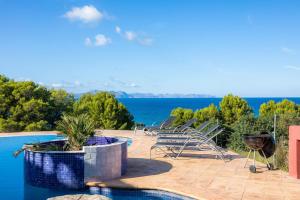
[[199, 175]]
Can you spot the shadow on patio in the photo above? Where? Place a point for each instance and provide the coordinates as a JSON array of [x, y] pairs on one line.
[[138, 167]]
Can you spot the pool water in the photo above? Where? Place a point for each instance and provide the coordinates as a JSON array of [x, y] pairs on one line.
[[12, 184], [11, 168]]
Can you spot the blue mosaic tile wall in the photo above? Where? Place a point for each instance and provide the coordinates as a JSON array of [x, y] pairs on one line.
[[54, 170], [63, 170], [96, 140]]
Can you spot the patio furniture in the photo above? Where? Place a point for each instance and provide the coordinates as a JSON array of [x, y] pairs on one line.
[[179, 129], [185, 126], [190, 142], [199, 131], [163, 125], [199, 128]]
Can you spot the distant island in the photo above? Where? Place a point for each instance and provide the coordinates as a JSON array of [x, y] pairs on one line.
[[122, 94]]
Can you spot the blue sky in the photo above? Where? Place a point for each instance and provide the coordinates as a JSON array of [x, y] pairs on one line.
[[249, 48]]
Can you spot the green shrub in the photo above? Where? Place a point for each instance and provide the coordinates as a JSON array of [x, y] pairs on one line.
[[60, 102], [182, 115], [280, 108], [267, 109], [281, 154], [24, 104], [283, 123], [208, 113], [9, 125], [105, 110], [37, 126], [265, 123], [245, 125], [232, 108], [222, 139]]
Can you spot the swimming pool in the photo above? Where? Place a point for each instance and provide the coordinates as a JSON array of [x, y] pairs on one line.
[[12, 185]]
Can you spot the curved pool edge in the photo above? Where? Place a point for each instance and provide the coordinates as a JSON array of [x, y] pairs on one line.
[[131, 187], [140, 149], [159, 189]]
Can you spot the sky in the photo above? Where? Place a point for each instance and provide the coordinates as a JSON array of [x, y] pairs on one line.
[[248, 48]]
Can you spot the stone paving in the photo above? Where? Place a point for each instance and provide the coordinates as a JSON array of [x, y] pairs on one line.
[[200, 174], [28, 133], [197, 174]]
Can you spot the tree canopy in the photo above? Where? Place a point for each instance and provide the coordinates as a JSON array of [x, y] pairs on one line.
[[182, 115], [208, 113], [232, 108], [105, 110], [25, 105], [284, 107]]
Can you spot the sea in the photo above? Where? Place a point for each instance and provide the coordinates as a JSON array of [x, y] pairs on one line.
[[154, 110]]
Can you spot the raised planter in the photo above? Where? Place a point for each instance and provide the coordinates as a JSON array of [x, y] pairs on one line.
[[104, 158]]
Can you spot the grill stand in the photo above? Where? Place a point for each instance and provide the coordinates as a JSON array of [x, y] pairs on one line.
[[252, 168]]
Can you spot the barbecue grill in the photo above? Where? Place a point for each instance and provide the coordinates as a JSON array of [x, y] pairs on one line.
[[262, 143]]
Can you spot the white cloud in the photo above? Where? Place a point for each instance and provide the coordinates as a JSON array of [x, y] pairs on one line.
[[292, 67], [140, 38], [56, 85], [287, 50], [120, 84], [102, 40], [133, 85], [88, 41], [146, 41], [23, 79], [67, 85], [118, 29], [77, 83], [130, 35], [85, 14]]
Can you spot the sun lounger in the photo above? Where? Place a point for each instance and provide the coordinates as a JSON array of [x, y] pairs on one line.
[[182, 128], [164, 125], [195, 131], [185, 126], [199, 128], [190, 142]]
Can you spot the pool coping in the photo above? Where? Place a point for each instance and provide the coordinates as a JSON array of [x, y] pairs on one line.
[[107, 185], [103, 185], [30, 133], [166, 191]]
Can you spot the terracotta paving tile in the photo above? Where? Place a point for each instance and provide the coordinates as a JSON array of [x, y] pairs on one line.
[[273, 197], [213, 179], [252, 196]]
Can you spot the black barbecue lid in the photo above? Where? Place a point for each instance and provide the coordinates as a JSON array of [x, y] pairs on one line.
[[268, 147], [255, 142]]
